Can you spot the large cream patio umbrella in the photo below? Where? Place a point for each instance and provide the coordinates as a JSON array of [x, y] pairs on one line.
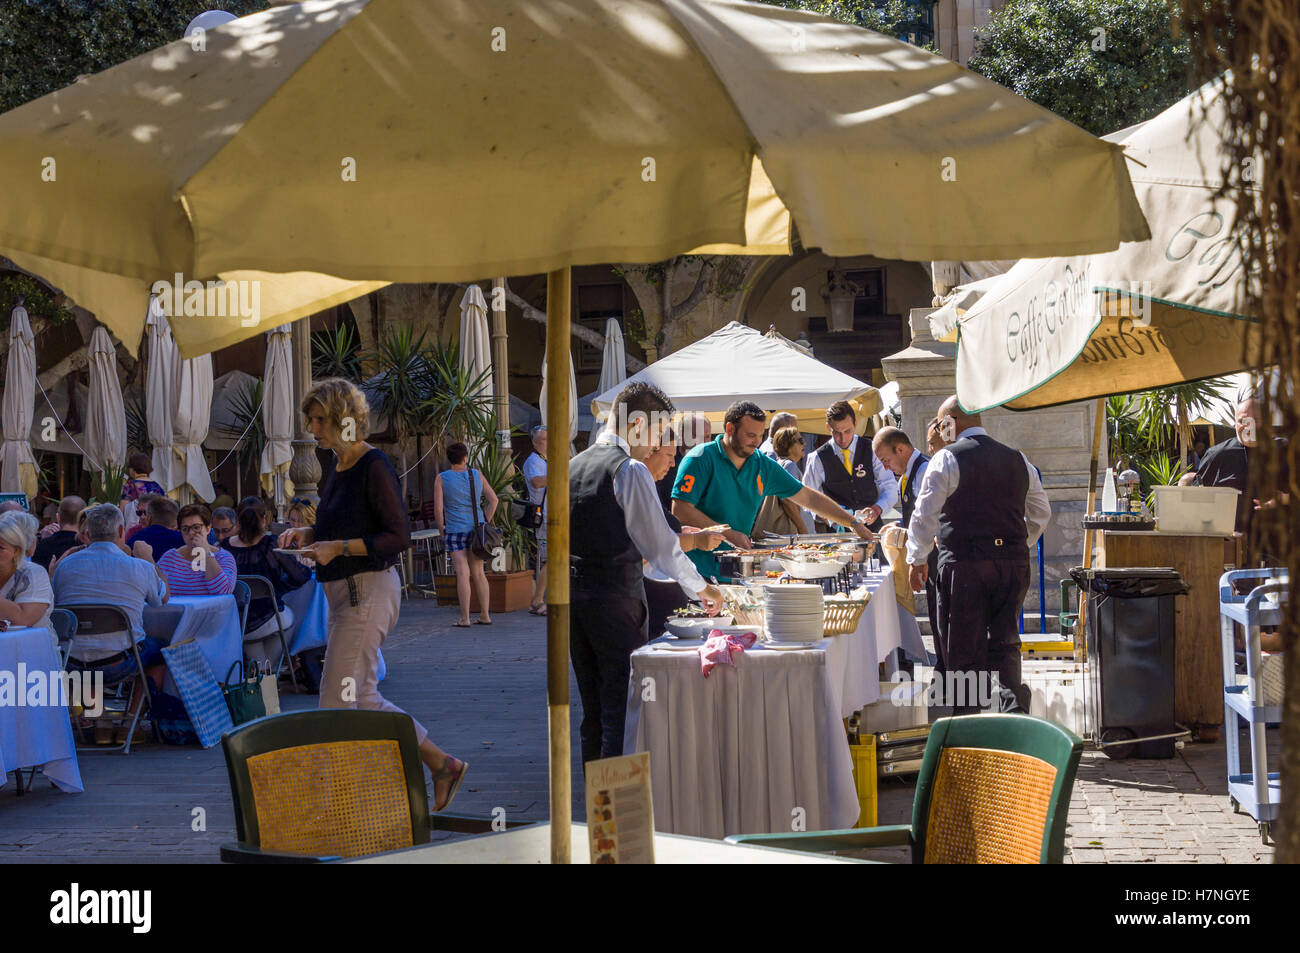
[[278, 417], [162, 368], [104, 437], [1146, 315], [341, 138], [17, 464]]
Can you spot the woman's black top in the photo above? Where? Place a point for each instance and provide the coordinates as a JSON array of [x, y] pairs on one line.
[[363, 502], [261, 559]]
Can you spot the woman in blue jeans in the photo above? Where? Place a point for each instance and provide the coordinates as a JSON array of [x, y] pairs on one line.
[[459, 494]]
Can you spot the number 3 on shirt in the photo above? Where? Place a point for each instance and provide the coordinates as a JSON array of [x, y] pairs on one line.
[[688, 483]]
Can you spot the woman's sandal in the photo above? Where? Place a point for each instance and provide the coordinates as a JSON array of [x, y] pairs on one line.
[[461, 625], [454, 769]]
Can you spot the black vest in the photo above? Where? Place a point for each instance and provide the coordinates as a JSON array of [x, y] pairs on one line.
[[985, 517], [907, 500], [851, 492], [601, 553]]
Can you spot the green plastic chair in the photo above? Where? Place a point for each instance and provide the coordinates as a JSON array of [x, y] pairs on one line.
[[992, 789], [324, 785]]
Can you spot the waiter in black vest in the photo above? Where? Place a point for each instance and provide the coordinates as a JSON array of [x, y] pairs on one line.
[[985, 503], [894, 449], [615, 521], [845, 469]]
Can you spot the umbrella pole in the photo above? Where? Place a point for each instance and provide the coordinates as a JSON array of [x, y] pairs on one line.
[[558, 285]]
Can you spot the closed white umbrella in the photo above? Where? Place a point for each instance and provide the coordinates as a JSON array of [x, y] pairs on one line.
[[18, 471], [190, 428], [277, 416], [613, 366], [105, 434], [162, 368], [573, 400], [475, 345]]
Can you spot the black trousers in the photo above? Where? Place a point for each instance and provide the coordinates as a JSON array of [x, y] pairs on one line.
[[978, 627], [604, 630], [662, 599]]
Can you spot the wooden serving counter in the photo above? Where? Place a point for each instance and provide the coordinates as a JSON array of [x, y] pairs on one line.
[[1198, 676]]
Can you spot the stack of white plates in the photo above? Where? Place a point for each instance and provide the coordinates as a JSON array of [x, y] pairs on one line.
[[794, 613]]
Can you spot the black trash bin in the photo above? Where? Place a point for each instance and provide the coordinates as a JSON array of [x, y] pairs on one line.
[[1130, 648]]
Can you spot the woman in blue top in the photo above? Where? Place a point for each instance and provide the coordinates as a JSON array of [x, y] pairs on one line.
[[461, 497]]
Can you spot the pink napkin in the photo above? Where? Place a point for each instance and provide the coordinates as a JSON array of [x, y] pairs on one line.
[[719, 648]]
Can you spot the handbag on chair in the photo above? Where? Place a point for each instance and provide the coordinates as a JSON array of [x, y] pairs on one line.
[[484, 537]]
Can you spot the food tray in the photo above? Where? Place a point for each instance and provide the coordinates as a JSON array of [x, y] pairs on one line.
[[801, 569], [842, 615]]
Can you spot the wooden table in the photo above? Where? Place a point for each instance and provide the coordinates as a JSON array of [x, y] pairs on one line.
[[1198, 692], [532, 845]]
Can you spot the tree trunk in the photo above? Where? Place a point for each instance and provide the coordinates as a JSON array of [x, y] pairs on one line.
[[577, 330]]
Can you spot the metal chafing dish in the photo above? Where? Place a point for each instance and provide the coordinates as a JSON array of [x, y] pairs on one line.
[[752, 563]]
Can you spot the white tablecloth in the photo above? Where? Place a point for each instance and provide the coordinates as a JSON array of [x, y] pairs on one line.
[[41, 734], [212, 621], [741, 751]]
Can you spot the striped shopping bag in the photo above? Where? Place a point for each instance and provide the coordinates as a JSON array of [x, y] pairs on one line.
[[199, 691]]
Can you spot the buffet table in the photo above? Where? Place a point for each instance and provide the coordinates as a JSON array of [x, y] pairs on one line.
[[741, 751], [36, 735]]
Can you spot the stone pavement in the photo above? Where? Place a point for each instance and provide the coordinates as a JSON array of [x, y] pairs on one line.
[[482, 694]]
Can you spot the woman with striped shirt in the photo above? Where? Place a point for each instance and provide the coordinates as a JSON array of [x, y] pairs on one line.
[[197, 567]]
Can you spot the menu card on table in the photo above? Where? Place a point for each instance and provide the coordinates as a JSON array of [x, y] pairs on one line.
[[620, 817]]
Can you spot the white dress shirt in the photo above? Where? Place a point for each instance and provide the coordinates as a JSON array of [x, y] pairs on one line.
[[886, 483], [643, 515], [941, 478]]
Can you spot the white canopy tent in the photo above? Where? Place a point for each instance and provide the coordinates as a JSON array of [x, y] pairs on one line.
[[737, 362]]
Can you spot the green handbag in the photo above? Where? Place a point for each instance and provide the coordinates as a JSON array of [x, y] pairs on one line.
[[244, 697]]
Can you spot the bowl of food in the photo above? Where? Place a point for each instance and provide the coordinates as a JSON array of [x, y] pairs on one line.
[[696, 628]]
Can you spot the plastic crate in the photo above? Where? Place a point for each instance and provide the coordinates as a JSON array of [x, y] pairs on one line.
[[1196, 510], [864, 779]]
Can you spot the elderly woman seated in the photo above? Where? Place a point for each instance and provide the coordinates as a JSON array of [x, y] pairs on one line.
[[254, 553], [197, 567], [25, 593]]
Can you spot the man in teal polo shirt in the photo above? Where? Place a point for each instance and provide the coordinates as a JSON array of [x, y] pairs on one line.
[[724, 481]]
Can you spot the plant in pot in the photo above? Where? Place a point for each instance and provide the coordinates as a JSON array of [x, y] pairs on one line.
[[106, 484]]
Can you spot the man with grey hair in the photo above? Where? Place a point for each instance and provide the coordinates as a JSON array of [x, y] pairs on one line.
[[535, 478], [779, 422], [223, 525], [105, 574]]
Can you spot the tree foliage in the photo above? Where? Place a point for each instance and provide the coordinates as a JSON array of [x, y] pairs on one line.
[[46, 44], [1102, 64], [904, 19]]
